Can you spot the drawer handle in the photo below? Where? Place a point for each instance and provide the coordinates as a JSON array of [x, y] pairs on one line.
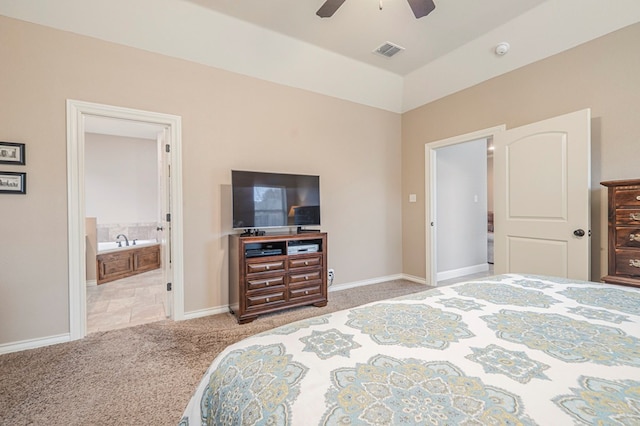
[[266, 283], [306, 292], [635, 263], [635, 216], [634, 237], [306, 263], [638, 197], [267, 299], [266, 267], [306, 277]]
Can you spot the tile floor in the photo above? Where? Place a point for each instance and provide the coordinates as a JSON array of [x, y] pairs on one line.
[[135, 300]]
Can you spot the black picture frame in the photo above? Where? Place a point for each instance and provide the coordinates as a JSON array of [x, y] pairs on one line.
[[12, 153], [13, 183]]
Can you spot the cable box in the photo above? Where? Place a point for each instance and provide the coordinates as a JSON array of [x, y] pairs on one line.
[[263, 252], [303, 248]]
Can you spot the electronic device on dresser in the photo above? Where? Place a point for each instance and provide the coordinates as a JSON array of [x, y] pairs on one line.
[[274, 200], [270, 273], [624, 232]]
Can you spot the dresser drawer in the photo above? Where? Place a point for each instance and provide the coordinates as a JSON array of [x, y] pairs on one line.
[[269, 266], [305, 276], [305, 291], [265, 299], [265, 282], [305, 262], [628, 262], [627, 236], [628, 216], [628, 196]]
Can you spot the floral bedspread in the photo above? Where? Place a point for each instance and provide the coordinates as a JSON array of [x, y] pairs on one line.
[[509, 349]]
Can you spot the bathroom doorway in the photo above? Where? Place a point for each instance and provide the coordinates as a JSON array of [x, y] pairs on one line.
[[123, 192], [84, 121]]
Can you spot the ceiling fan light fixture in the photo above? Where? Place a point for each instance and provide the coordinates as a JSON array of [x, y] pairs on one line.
[[328, 8], [419, 8], [388, 49]]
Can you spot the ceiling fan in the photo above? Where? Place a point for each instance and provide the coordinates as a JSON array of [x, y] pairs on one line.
[[420, 8]]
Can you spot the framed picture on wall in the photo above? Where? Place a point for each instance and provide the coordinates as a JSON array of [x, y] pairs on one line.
[[12, 153], [13, 183]]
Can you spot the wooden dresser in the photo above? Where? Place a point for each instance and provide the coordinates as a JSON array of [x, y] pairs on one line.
[[624, 232], [274, 272]]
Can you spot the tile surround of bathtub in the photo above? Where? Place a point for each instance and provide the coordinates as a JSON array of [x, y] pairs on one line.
[[133, 231]]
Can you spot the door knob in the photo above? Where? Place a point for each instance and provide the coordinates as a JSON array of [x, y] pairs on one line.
[[579, 232]]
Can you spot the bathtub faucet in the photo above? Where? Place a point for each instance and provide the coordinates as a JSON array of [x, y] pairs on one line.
[[120, 242]]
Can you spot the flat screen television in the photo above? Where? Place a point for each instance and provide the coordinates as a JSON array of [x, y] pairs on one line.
[[274, 200]]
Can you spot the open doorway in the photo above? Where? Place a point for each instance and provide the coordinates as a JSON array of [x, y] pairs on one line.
[[462, 210], [459, 207], [124, 225], [168, 136]]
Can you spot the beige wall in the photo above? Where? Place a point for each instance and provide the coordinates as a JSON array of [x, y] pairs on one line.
[[603, 75], [234, 122], [121, 179], [229, 121]]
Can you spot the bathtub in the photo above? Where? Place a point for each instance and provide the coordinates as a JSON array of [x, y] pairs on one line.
[[113, 262], [109, 246]]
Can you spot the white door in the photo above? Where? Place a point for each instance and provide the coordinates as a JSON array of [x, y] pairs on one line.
[[164, 228], [541, 199]]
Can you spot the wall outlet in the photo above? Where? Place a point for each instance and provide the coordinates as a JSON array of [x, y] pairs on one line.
[[331, 276]]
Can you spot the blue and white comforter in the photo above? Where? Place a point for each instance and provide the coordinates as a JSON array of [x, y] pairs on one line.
[[509, 349]]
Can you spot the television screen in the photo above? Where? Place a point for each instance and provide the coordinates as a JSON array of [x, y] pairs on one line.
[[268, 200]]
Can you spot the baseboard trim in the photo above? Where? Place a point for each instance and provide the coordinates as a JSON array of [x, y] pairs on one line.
[[455, 273], [378, 280], [413, 278], [206, 312], [23, 345]]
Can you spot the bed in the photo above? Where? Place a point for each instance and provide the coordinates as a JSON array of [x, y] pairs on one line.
[[509, 349]]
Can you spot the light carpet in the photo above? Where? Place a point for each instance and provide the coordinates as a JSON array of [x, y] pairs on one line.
[[142, 375]]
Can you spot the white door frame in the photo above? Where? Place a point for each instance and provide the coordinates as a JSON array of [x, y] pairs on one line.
[[76, 112], [430, 192]]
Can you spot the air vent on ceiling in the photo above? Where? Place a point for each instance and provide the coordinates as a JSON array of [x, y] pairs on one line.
[[388, 49]]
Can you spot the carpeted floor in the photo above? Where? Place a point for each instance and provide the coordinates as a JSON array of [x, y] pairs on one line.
[[142, 375]]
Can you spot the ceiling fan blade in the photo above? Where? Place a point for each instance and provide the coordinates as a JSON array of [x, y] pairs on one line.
[[421, 7], [329, 8]]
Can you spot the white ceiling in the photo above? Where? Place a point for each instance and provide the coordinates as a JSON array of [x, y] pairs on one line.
[[358, 27], [284, 42]]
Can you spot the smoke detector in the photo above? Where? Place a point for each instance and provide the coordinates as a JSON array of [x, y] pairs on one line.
[[388, 49], [502, 48]]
